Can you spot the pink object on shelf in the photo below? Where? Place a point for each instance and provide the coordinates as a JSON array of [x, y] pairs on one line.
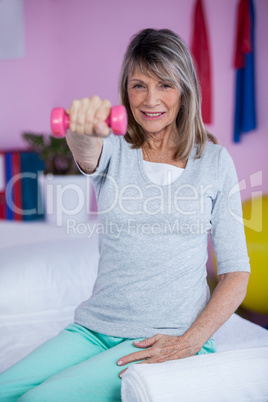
[[117, 120]]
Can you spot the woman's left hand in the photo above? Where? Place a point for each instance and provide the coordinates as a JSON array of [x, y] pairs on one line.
[[161, 348]]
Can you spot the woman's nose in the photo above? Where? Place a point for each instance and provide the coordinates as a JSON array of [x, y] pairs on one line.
[[152, 98]]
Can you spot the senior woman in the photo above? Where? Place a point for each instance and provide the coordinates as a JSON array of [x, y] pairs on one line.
[[161, 190]]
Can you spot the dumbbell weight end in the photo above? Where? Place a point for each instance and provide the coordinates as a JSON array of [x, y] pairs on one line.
[[60, 121]]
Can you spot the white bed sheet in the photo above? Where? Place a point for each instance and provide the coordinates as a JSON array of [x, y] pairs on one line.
[[20, 335]]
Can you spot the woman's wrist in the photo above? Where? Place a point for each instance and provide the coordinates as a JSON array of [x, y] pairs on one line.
[[195, 338], [86, 168]]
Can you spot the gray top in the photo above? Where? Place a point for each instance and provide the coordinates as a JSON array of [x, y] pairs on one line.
[[152, 274]]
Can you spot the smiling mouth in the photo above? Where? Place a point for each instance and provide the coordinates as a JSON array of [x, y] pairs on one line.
[[148, 114]]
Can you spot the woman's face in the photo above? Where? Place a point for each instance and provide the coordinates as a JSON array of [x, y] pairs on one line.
[[154, 104]]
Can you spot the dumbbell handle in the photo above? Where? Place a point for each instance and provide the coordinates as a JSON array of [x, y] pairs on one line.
[[117, 120]]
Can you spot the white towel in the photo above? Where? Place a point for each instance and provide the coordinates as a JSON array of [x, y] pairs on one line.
[[239, 375], [238, 370]]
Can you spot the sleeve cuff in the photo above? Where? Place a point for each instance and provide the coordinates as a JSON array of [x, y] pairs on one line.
[[106, 153]]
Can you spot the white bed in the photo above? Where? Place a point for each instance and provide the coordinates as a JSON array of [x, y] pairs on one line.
[[45, 273]]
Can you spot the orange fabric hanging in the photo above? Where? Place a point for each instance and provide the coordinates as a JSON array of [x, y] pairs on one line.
[[201, 54]]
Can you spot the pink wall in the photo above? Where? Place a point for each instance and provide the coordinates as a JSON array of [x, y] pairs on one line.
[[75, 48]]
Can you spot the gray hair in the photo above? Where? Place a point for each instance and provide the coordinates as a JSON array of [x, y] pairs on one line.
[[164, 54]]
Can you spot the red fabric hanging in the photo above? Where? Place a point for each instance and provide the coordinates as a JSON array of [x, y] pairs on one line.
[[201, 54], [243, 37]]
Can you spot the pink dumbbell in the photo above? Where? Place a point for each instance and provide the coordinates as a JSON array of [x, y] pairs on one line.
[[117, 120]]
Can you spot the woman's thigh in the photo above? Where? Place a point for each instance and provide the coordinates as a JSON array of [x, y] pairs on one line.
[[96, 379], [71, 346]]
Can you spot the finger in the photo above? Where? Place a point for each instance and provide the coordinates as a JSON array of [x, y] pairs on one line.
[[122, 372], [157, 359], [73, 111], [101, 115], [104, 110], [133, 357], [102, 129], [85, 119], [85, 107], [91, 108], [161, 357], [147, 342]]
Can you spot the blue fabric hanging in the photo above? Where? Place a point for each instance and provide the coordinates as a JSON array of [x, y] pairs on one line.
[[245, 106]]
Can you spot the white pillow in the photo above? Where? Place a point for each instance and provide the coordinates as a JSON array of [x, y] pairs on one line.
[[48, 275]]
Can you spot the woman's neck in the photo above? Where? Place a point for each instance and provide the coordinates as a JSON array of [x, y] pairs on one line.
[[160, 142], [160, 149]]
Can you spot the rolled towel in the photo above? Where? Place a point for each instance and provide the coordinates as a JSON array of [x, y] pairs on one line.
[[239, 375]]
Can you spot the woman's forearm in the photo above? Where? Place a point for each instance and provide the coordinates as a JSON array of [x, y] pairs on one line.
[[226, 298]]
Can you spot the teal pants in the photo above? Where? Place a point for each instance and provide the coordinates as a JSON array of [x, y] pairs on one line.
[[76, 365]]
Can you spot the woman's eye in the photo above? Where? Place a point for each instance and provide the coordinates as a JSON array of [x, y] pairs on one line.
[[166, 86], [137, 86]]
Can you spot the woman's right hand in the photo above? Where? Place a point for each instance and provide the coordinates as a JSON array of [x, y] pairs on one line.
[[87, 128], [87, 116]]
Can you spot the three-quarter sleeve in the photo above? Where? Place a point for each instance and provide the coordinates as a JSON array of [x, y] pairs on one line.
[[227, 230]]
